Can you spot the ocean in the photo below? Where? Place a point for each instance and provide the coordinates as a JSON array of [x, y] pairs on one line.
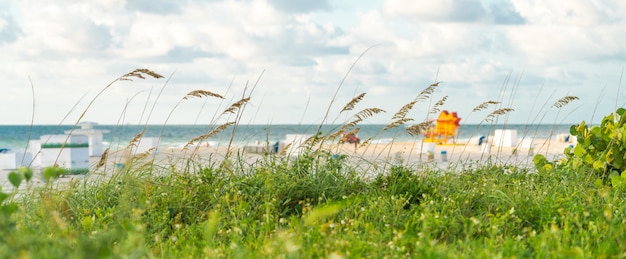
[[15, 137]]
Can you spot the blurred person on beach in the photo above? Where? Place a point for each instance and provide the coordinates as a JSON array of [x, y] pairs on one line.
[[351, 138]]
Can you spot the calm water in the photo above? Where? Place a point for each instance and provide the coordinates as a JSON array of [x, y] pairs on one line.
[[16, 137]]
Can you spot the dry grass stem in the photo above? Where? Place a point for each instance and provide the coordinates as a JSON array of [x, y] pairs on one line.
[[564, 101], [336, 134], [143, 155], [369, 112], [237, 105], [365, 142], [416, 130], [353, 102], [497, 112], [285, 148], [438, 104], [208, 135], [103, 159], [362, 115], [484, 105], [397, 123], [403, 111], [312, 140], [426, 93], [202, 93], [135, 141], [140, 73]]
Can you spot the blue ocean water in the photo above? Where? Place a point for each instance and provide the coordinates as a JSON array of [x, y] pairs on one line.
[[16, 137]]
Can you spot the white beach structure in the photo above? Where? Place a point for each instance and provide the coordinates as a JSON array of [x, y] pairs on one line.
[[147, 144], [505, 138], [68, 151], [94, 137], [34, 149], [295, 143], [14, 159]]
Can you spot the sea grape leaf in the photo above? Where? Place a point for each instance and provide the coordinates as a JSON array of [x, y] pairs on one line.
[[609, 156], [579, 151], [577, 162], [568, 150], [26, 171], [547, 167], [617, 181], [598, 183], [51, 172], [539, 160], [16, 179], [3, 196], [579, 129], [572, 130], [9, 209], [598, 165], [588, 159]]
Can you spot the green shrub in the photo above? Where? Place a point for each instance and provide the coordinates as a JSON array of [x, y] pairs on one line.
[[600, 149]]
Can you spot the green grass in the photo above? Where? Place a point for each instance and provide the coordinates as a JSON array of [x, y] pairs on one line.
[[316, 206]]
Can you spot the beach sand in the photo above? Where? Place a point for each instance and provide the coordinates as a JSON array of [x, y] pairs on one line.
[[382, 154], [372, 158]]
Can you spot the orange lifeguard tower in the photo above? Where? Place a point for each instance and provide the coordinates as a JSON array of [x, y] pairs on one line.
[[445, 128]]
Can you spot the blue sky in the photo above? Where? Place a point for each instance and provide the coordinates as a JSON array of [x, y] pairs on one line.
[[525, 53]]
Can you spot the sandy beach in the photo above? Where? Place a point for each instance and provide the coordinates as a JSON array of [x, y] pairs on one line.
[[369, 157], [417, 152]]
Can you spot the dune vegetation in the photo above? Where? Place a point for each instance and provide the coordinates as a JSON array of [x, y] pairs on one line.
[[317, 204]]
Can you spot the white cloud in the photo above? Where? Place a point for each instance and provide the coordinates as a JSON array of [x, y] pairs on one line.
[[300, 6], [573, 12], [473, 11], [69, 48], [442, 10]]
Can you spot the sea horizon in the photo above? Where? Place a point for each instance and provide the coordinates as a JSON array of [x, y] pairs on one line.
[[17, 136]]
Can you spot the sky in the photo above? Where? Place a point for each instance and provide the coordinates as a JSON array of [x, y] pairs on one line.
[[303, 61]]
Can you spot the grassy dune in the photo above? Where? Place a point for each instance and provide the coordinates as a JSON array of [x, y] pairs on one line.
[[314, 207], [318, 205]]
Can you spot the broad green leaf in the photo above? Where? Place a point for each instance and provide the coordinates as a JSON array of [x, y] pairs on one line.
[[321, 213], [16, 179], [579, 151], [577, 162], [3, 196], [588, 159], [573, 130], [598, 183], [598, 165], [581, 127], [87, 223], [609, 156], [27, 171], [617, 181], [567, 150], [51, 172], [539, 160], [547, 167], [9, 209]]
